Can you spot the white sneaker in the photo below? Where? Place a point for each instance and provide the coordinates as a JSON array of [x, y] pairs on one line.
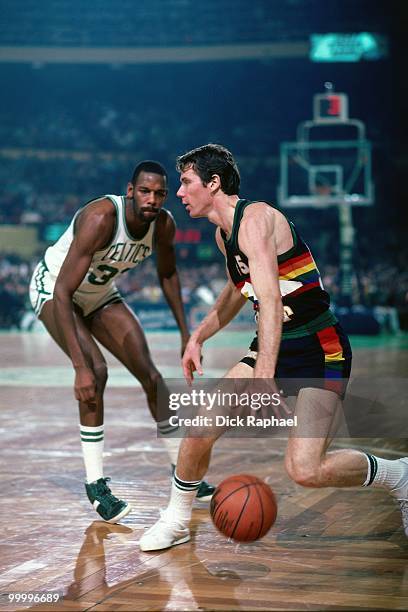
[[163, 534], [401, 495]]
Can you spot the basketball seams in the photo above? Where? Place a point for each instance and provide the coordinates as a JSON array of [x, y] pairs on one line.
[[242, 511], [218, 508], [229, 495], [249, 514], [262, 510]]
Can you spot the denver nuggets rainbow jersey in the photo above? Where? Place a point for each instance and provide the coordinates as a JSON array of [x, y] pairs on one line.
[[305, 302]]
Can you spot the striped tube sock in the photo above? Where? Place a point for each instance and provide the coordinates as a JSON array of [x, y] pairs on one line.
[[92, 451], [183, 493], [169, 435], [384, 472]]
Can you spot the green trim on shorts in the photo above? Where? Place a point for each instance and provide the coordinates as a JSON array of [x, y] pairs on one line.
[[326, 319], [42, 295]]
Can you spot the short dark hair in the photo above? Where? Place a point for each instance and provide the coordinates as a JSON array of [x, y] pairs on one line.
[[148, 166], [212, 159]]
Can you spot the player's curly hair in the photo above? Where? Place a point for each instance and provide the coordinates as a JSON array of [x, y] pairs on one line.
[[212, 159]]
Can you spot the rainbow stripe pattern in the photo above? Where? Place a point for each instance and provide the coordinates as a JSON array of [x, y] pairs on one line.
[[302, 269], [334, 358]]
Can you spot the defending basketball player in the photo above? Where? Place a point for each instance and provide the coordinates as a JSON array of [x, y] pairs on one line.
[[73, 293], [297, 336]]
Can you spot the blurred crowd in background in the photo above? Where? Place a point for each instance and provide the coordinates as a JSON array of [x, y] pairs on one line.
[[381, 285], [58, 160], [71, 133], [228, 21], [54, 164]]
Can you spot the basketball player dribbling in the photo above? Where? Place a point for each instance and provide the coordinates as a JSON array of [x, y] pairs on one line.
[[73, 293], [297, 337]]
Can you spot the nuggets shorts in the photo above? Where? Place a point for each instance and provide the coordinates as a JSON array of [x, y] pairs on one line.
[[322, 360]]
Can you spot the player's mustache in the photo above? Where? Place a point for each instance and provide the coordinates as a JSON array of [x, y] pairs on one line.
[[149, 208]]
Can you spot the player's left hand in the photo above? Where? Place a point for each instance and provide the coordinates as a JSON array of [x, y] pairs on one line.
[[192, 360]]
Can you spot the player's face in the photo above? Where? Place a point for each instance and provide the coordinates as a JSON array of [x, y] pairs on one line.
[[195, 196], [148, 194]]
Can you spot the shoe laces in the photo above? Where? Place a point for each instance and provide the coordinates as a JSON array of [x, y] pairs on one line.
[[105, 490]]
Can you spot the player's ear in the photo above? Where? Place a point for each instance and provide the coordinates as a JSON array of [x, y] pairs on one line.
[[215, 182], [129, 191]]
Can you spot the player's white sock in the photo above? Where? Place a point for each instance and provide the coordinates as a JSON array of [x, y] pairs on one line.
[[168, 435], [92, 451], [183, 493], [387, 473]]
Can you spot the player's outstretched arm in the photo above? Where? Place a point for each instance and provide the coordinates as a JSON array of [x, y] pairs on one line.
[[258, 241], [167, 272], [93, 230], [227, 305]]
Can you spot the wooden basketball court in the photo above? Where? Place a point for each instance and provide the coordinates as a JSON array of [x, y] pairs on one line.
[[329, 549]]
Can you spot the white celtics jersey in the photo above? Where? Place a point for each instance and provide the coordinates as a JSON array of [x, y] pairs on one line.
[[122, 253]]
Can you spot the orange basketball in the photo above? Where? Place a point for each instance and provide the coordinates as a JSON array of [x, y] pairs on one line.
[[243, 508]]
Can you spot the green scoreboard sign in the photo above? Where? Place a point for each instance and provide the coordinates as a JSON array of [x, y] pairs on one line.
[[347, 47]]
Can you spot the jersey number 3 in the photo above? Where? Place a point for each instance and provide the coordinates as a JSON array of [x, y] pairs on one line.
[[106, 273]]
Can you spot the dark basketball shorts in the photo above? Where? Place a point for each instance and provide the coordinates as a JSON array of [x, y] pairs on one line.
[[321, 360]]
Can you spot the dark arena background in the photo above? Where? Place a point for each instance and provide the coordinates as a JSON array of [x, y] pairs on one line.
[[310, 96]]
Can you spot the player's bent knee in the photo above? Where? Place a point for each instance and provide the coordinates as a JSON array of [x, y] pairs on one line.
[[302, 473], [101, 374]]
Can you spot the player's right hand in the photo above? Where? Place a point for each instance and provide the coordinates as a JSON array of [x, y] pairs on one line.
[[85, 386], [191, 361]]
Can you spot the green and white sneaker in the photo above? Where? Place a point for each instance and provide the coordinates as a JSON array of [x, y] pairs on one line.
[[204, 492], [109, 507]]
